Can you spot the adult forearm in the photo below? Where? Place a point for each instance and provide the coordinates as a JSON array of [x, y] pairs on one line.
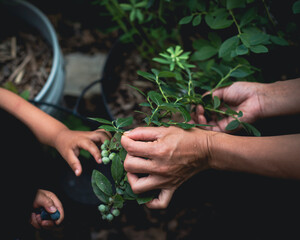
[[280, 98], [41, 124], [277, 156]]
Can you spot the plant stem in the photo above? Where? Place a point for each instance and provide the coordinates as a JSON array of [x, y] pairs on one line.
[[160, 89], [268, 13], [190, 84], [225, 77], [150, 119], [235, 22], [221, 112]]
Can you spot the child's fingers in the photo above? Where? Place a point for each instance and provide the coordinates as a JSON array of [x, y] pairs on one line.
[[91, 147], [74, 163], [34, 221]]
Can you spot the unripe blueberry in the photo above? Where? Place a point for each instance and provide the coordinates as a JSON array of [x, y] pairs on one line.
[[116, 212], [104, 217], [103, 146], [102, 208], [105, 160], [109, 217], [112, 156], [106, 142], [104, 153]]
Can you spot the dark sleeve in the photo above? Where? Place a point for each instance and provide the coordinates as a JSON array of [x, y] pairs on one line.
[[22, 160]]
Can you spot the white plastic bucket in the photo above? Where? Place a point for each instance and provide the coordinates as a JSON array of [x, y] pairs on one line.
[[52, 91]]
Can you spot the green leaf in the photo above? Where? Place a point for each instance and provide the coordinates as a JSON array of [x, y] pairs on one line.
[[166, 74], [102, 183], [172, 107], [100, 194], [279, 41], [296, 7], [145, 104], [155, 97], [124, 122], [232, 125], [117, 169], [146, 75], [197, 20], [217, 102], [118, 201], [254, 36], [218, 19], [129, 195], [241, 72], [185, 114], [143, 200], [251, 129], [108, 128], [186, 20], [231, 112], [241, 50], [137, 90], [228, 45], [204, 53], [101, 120], [259, 49], [250, 15], [115, 142], [125, 6], [25, 94], [231, 4], [161, 60], [185, 126]]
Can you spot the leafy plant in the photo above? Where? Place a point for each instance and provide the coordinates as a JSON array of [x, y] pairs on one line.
[[171, 98], [223, 38]]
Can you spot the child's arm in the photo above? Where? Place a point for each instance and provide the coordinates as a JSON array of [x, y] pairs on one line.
[[52, 132]]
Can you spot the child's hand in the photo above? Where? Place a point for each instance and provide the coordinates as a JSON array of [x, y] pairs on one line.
[[69, 143], [51, 203]]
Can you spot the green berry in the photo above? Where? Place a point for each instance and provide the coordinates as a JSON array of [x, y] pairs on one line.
[[106, 142], [109, 217], [112, 156], [104, 153], [105, 160], [116, 212], [103, 146], [104, 217], [102, 208]]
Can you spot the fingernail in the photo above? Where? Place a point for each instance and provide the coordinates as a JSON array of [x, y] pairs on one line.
[[127, 132], [76, 172], [99, 160], [52, 209]]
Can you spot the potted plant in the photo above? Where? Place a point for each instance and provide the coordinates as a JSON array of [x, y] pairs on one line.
[[22, 13]]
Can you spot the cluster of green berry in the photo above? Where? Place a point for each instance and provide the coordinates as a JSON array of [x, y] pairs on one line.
[[107, 153], [108, 213]]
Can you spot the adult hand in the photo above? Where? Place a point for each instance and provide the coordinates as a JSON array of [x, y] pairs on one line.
[[51, 203], [169, 156], [69, 143], [240, 96]]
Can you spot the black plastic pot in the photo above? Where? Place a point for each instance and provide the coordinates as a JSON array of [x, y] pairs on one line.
[[110, 80]]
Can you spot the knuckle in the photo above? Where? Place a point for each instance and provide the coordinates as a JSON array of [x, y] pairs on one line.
[[135, 189], [127, 164]]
